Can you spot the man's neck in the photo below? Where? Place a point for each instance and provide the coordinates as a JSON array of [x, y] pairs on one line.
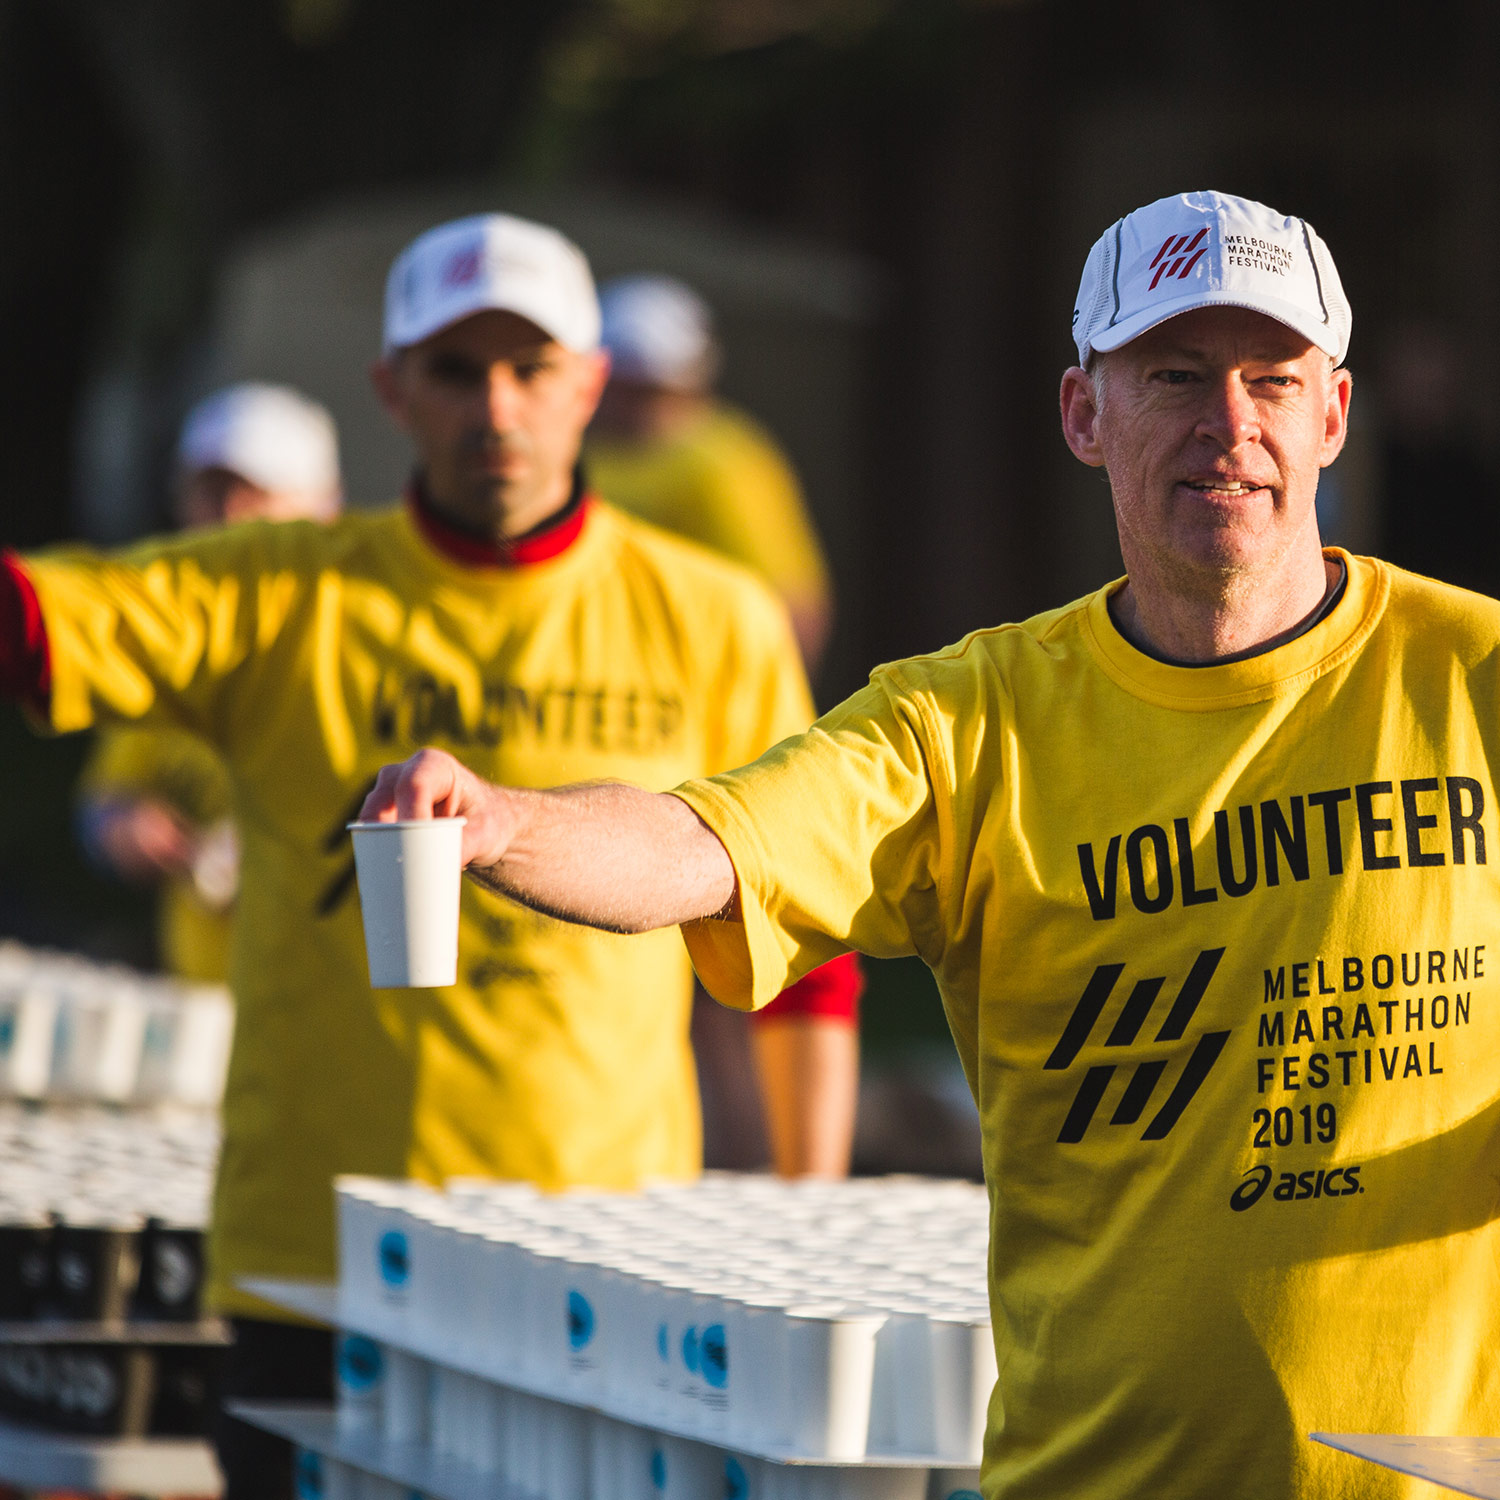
[[512, 524], [1243, 619]]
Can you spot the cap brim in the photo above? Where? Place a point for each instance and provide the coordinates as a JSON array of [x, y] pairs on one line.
[[1321, 335]]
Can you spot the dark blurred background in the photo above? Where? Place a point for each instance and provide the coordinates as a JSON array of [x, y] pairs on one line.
[[887, 202]]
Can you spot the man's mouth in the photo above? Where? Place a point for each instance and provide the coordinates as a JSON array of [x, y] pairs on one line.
[[1227, 489]]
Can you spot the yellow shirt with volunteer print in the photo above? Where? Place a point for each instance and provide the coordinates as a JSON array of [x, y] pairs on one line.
[[1219, 947], [723, 482], [182, 771], [312, 655]]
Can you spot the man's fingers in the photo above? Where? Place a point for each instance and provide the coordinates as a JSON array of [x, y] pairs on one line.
[[425, 786]]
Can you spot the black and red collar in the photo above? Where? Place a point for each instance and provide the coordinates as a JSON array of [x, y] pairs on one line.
[[550, 539]]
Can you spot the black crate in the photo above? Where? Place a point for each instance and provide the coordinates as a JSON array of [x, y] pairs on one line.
[[99, 1389], [94, 1273], [186, 1381], [25, 1270], [169, 1284]]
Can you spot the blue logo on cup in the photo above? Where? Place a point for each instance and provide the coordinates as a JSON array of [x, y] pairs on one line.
[[360, 1362], [963, 1495], [395, 1261], [713, 1356], [7, 1030], [690, 1349], [658, 1469], [736, 1481], [661, 1343], [307, 1476], [580, 1320]]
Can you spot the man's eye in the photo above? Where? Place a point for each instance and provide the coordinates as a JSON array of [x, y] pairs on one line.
[[1176, 377], [451, 371], [1278, 380], [531, 369]]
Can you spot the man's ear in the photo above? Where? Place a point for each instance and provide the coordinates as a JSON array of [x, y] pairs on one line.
[[596, 377], [1336, 426], [1080, 416], [388, 392]]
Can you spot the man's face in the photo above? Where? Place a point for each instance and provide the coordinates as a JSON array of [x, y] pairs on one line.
[[1212, 427], [496, 410]]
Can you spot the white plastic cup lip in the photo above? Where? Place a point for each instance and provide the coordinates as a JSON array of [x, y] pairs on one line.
[[395, 823]]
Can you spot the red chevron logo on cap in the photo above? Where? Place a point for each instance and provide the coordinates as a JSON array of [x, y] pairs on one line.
[[1177, 257], [463, 267]]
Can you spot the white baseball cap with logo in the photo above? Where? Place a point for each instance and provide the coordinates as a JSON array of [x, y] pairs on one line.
[[1208, 250], [491, 262], [269, 434]]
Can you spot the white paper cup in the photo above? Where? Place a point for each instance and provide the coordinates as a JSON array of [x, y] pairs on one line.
[[953, 1484], [409, 878], [405, 1398], [963, 1377], [693, 1471], [832, 1367], [359, 1368]]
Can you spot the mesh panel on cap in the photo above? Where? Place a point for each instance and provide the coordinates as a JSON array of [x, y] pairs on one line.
[[1104, 294], [1340, 314]]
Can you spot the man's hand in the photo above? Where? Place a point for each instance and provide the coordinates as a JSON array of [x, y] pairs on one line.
[[141, 839], [604, 854], [432, 784]]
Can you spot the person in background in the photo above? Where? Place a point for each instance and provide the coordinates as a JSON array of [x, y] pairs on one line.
[[154, 805], [667, 449], [507, 613]]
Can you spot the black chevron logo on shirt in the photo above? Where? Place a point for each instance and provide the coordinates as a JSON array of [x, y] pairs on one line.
[[1127, 1026]]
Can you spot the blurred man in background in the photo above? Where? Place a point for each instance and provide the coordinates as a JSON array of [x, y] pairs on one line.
[[506, 614], [155, 805], [667, 449]]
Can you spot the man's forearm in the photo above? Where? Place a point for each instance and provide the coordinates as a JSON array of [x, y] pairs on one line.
[[605, 854], [614, 857]]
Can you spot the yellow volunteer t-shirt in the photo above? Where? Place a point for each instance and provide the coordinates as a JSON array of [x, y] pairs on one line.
[[184, 772], [312, 655], [1220, 948], [723, 483]]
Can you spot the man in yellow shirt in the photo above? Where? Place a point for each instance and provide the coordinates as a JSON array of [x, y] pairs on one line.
[[154, 804], [505, 613], [1200, 863]]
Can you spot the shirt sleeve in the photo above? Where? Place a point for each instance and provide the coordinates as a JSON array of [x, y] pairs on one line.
[[156, 632], [836, 838], [25, 667]]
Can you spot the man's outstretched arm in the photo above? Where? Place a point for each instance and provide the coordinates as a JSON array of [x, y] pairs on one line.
[[603, 854]]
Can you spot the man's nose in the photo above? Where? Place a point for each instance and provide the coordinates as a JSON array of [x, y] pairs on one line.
[[1230, 417], [501, 396]]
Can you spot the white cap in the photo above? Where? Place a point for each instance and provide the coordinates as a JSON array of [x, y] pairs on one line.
[[658, 332], [491, 261], [1208, 250], [269, 434]]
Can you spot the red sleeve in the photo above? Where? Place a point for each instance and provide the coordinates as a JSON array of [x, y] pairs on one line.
[[25, 668], [831, 991]]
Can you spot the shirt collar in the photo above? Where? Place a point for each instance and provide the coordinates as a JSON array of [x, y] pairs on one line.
[[551, 538]]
